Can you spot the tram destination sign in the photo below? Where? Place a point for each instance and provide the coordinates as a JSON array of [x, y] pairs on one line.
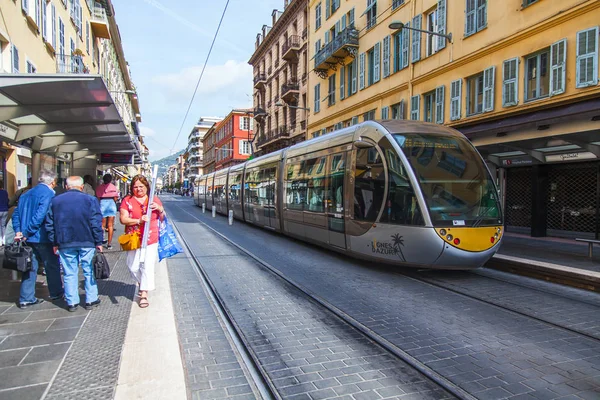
[[122, 159]]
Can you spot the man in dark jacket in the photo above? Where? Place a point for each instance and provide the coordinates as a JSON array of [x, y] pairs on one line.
[[28, 224], [74, 226]]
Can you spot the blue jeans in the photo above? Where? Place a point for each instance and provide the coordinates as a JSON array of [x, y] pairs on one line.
[[42, 252], [70, 259]]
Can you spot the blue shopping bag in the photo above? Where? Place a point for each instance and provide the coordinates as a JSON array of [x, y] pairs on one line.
[[168, 245]]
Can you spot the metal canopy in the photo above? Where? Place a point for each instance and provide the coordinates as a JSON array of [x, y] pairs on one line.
[[62, 113]]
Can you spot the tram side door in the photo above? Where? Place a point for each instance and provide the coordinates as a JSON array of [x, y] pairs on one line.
[[335, 203], [270, 213]]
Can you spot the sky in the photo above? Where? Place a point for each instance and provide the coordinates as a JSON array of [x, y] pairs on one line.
[[166, 43]]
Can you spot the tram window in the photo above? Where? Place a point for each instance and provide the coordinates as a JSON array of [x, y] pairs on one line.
[[251, 187], [295, 187], [265, 187], [235, 186], [369, 184], [315, 180], [336, 184]]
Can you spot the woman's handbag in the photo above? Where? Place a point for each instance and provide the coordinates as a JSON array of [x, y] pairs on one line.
[[130, 241], [168, 245], [18, 257]]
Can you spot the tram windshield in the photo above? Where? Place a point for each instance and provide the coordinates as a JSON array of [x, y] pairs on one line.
[[454, 180]]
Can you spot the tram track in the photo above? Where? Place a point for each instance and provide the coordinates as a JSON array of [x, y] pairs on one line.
[[260, 376]]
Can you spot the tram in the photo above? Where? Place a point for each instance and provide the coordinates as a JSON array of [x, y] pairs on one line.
[[400, 192]]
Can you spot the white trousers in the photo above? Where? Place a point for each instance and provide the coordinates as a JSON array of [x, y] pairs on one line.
[[3, 217], [143, 276]]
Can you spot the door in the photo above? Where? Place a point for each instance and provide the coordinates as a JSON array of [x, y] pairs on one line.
[[335, 201]]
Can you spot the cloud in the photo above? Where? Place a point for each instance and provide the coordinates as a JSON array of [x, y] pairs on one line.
[[230, 76], [148, 132]]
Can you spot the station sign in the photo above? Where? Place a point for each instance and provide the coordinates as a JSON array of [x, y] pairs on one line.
[[8, 132], [121, 159], [586, 155], [513, 162]]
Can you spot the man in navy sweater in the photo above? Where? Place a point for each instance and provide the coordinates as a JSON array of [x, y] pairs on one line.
[[74, 226]]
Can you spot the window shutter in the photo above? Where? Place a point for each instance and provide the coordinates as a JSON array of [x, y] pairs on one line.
[[361, 71], [338, 28], [470, 13], [402, 109], [241, 123], [326, 37], [354, 75], [354, 120], [351, 17], [343, 22], [441, 23], [587, 58], [377, 62], [317, 97], [385, 112], [327, 9], [44, 27], [558, 55], [386, 56], [488, 89], [342, 82], [510, 76], [323, 131], [416, 42], [53, 27], [439, 104], [481, 15], [405, 47], [15, 59], [455, 95], [415, 102], [87, 37], [25, 6]]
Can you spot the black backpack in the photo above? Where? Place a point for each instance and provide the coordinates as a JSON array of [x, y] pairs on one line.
[[101, 268]]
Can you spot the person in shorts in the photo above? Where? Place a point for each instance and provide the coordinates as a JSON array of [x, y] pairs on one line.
[[108, 194]]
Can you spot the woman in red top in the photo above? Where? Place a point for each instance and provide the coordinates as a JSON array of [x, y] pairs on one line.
[[133, 216]]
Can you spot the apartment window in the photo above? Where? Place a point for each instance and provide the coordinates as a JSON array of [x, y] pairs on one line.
[[386, 56], [317, 106], [537, 76], [350, 17], [330, 7], [432, 42], [587, 58], [455, 99], [15, 59], [475, 16], [401, 49], [369, 115], [397, 3], [385, 112], [441, 24], [371, 13], [331, 93], [318, 16], [415, 103], [529, 2], [433, 106], [398, 110], [510, 82], [480, 92], [352, 77], [31, 69], [355, 120], [244, 148], [416, 39], [246, 123]]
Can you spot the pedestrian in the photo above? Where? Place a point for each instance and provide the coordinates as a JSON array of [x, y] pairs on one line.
[[60, 186], [3, 213], [74, 226], [88, 185], [133, 216], [14, 200], [28, 224], [108, 195]]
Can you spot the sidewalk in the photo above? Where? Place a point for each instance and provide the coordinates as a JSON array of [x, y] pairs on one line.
[[116, 350], [564, 258]]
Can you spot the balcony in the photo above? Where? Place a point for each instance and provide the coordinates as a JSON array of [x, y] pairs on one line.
[[259, 81], [303, 124], [304, 33], [289, 50], [70, 65], [99, 22], [259, 113], [343, 45], [290, 91]]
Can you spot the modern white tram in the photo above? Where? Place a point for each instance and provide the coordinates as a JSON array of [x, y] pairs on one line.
[[401, 192]]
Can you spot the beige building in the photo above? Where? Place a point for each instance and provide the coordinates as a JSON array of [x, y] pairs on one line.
[[63, 38], [281, 69], [195, 151]]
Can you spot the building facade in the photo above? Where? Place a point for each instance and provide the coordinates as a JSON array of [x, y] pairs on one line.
[[195, 150], [281, 68], [208, 149], [518, 78], [233, 138], [63, 37]]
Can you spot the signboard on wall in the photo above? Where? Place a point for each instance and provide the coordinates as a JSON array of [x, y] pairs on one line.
[[121, 159], [8, 132], [586, 155]]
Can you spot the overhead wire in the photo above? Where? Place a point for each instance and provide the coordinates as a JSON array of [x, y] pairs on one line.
[[200, 77]]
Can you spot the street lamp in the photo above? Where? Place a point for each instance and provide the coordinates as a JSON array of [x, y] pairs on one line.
[[397, 25], [280, 104]]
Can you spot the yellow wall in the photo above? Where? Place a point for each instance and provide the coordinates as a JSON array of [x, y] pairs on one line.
[[511, 31]]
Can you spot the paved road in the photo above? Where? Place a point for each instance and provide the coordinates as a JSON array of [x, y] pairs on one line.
[[487, 351]]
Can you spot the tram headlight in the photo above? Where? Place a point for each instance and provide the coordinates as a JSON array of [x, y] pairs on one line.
[[449, 238], [496, 236], [443, 232], [498, 230]]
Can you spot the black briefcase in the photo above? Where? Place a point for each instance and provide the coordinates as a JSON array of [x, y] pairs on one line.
[[18, 257], [101, 267]]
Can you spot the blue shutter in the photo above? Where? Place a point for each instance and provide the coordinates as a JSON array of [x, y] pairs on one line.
[[386, 56], [470, 14], [558, 58], [439, 104], [377, 62], [455, 99], [338, 28], [342, 83], [510, 82], [361, 71], [586, 73], [351, 17], [326, 37], [53, 27], [354, 75], [327, 9], [488, 89], [481, 15], [415, 102], [354, 120], [317, 97], [15, 59], [441, 23], [416, 42], [385, 112], [343, 22], [405, 47]]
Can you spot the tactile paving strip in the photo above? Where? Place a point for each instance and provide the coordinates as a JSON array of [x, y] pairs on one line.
[[91, 368]]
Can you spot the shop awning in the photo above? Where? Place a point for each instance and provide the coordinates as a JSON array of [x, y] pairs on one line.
[[62, 113]]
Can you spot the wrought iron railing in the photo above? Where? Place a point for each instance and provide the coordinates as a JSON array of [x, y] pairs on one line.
[[290, 85], [70, 65], [259, 78], [347, 36], [293, 41]]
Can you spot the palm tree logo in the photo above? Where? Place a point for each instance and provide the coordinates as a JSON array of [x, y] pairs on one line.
[[398, 243]]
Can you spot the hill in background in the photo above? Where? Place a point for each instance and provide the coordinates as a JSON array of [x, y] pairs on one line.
[[166, 162]]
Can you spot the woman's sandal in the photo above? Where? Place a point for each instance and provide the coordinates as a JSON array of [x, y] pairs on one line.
[[144, 302]]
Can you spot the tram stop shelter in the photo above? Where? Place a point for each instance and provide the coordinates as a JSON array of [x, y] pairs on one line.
[[74, 115]]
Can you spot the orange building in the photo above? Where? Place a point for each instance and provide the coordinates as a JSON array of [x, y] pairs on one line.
[[233, 139]]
